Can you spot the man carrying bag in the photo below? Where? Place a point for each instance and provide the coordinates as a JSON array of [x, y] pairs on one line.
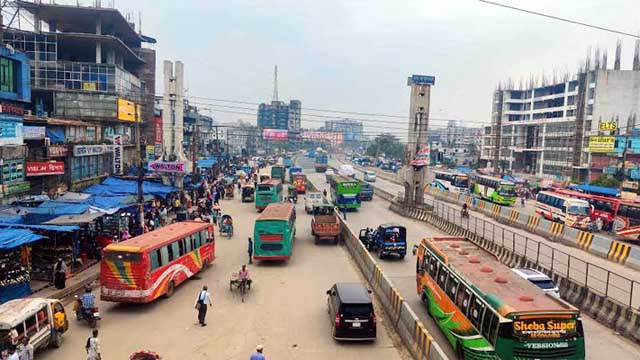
[[204, 299]]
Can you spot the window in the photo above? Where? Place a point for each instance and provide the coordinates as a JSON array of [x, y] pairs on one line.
[[197, 239], [475, 312], [189, 243], [164, 255], [181, 247], [452, 287], [91, 133], [8, 75], [433, 267], [442, 277], [489, 325], [154, 260], [462, 300], [32, 326], [43, 317], [170, 251], [175, 249]]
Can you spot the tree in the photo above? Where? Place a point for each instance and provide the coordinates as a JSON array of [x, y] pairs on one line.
[[606, 181], [387, 144]]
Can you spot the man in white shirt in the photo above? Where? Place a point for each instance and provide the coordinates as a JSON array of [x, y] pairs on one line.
[[93, 347], [14, 353], [26, 353], [204, 299]]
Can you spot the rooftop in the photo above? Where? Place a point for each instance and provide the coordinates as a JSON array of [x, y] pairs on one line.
[[162, 235], [276, 211], [484, 270]]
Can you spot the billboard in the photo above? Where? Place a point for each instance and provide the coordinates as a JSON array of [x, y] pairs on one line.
[[275, 134], [422, 80], [333, 137], [117, 154], [11, 130], [157, 130], [602, 144], [163, 166], [33, 132], [87, 150], [45, 168], [127, 110]]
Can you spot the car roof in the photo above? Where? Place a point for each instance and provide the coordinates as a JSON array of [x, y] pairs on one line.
[[389, 225], [15, 311], [353, 293], [530, 273]]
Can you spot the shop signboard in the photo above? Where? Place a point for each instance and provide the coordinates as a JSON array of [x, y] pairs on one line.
[[88, 150], [422, 79], [11, 108], [158, 150], [117, 154], [57, 150], [151, 152], [157, 130], [34, 132], [11, 130], [127, 110], [45, 168], [164, 166], [610, 170], [16, 188], [275, 134], [602, 144], [608, 126]]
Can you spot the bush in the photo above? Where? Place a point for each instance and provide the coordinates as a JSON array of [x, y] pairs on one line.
[[606, 181]]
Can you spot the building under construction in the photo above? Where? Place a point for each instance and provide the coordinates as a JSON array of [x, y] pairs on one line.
[[543, 127]]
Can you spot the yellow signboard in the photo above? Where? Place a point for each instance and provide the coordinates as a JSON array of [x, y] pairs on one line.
[[608, 126], [90, 86], [602, 144], [127, 110]]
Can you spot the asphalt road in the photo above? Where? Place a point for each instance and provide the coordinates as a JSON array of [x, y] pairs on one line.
[[601, 341], [285, 309]]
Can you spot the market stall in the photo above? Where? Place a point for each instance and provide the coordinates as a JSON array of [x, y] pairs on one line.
[[15, 245]]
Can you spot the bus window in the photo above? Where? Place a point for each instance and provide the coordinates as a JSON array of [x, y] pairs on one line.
[[154, 260], [181, 247], [175, 248], [475, 312], [489, 325], [198, 242], [433, 267], [170, 250], [31, 325], [442, 277], [453, 287], [43, 318], [189, 243], [164, 255], [463, 299]]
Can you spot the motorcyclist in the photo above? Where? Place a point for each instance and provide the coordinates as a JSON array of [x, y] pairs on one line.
[[88, 301]]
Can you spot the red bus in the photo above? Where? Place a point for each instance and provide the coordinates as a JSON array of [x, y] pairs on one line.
[[141, 269], [611, 214], [300, 183]]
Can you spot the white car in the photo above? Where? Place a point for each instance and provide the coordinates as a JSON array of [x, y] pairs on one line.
[[311, 199], [369, 176], [328, 173], [346, 170], [539, 279]]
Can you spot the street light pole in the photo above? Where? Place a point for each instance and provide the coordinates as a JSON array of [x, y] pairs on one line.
[[140, 171]]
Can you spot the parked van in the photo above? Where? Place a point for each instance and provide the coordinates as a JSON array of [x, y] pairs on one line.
[[351, 311], [42, 320]]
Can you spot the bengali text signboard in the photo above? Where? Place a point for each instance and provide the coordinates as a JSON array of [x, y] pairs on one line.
[[602, 144], [45, 168]]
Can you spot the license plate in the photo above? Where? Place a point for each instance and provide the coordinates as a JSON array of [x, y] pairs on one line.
[[355, 324]]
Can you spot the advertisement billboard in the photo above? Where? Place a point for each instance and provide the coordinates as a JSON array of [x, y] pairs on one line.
[[164, 166], [34, 132], [333, 137], [602, 144], [45, 168], [157, 130], [87, 150], [11, 130], [275, 134], [117, 154], [127, 110]]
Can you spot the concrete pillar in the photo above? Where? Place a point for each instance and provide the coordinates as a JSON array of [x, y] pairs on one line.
[[111, 56], [98, 52], [98, 25], [541, 159]]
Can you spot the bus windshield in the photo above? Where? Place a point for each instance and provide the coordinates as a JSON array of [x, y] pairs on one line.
[[462, 182], [576, 209], [507, 190], [265, 188]]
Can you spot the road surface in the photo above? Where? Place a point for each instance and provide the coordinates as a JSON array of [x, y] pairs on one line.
[[601, 341], [285, 309]]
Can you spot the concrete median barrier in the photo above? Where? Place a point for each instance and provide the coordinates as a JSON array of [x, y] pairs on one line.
[[600, 246], [618, 252]]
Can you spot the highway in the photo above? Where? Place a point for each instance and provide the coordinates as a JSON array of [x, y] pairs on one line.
[[601, 342], [285, 310], [619, 269]]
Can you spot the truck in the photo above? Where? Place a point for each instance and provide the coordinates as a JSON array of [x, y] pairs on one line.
[[387, 239], [299, 181], [277, 172], [321, 162], [366, 191], [325, 224]]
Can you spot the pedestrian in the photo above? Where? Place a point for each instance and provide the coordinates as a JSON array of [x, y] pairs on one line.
[[60, 274], [204, 299], [258, 355], [250, 250], [13, 353], [93, 347], [324, 192], [522, 199], [344, 213], [27, 349]]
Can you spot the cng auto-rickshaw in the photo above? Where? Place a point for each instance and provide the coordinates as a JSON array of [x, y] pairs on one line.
[[292, 194], [248, 193]]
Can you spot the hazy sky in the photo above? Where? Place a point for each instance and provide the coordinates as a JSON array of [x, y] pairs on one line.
[[356, 55]]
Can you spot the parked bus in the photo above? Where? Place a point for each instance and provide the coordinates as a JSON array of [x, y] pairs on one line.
[[277, 172], [299, 181], [611, 214], [141, 269], [274, 232], [496, 190], [345, 192], [486, 311], [268, 192], [449, 181], [572, 212]]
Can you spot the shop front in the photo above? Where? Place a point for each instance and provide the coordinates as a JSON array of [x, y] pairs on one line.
[[15, 248]]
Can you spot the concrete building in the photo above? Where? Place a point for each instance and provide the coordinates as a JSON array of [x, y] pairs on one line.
[[544, 128], [91, 80], [351, 130], [279, 115], [456, 144]]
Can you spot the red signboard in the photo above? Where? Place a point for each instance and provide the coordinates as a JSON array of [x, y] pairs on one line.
[[45, 168], [275, 134], [157, 130]]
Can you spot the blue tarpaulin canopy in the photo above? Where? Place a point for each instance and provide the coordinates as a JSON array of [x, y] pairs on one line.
[[60, 228], [113, 187], [11, 218], [596, 190], [206, 163], [11, 238]]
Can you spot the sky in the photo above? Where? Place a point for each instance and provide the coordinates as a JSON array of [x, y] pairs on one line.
[[357, 55]]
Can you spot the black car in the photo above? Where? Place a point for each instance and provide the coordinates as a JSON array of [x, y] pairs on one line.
[[351, 311]]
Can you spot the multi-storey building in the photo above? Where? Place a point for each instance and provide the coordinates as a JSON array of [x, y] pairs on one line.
[[279, 115], [91, 80], [351, 130], [544, 129]]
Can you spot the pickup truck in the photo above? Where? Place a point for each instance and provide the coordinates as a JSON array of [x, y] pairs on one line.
[[325, 224], [366, 191], [387, 239]]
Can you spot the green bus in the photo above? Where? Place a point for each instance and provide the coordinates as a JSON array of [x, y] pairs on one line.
[[345, 192], [277, 172], [493, 189], [268, 192], [274, 232], [486, 311]]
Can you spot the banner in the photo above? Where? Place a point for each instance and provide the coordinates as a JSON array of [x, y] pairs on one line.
[[275, 134], [57, 150], [88, 150], [34, 132], [333, 137], [602, 144], [45, 168], [422, 157], [157, 130], [162, 166], [117, 154], [127, 110]]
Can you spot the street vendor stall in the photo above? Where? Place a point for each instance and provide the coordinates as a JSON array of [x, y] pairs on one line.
[[15, 281]]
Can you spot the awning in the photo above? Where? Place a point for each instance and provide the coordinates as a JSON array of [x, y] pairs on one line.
[[112, 186], [73, 219], [73, 197], [206, 163], [39, 227], [11, 238], [596, 190]]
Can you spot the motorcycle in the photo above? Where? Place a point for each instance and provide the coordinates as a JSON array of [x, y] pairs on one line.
[[92, 315]]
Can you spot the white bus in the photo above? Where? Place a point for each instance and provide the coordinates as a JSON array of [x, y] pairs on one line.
[[570, 211], [449, 181]]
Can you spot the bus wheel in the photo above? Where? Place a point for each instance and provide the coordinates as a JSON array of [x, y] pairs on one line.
[[170, 289]]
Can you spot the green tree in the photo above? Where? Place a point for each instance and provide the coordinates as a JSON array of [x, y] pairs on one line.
[[387, 144], [606, 181]]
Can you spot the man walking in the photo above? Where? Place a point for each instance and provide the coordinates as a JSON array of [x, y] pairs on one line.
[[60, 274], [204, 299], [93, 347], [258, 355], [27, 349], [250, 250]]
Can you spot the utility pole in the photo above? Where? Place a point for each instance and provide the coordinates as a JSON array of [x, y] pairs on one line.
[[194, 149], [631, 123], [140, 169]]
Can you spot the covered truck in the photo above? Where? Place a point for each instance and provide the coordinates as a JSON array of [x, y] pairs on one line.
[[325, 224]]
